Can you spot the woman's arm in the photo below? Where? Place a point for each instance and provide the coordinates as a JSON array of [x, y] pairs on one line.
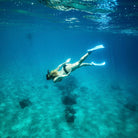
[[68, 60], [60, 66], [59, 78]]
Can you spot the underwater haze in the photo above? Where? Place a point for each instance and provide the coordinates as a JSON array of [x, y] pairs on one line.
[[93, 101]]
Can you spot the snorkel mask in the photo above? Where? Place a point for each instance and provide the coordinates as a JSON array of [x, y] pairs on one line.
[[48, 77]]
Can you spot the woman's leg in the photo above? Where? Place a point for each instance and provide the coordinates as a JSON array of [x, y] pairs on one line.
[[85, 64], [84, 57], [89, 52], [79, 63]]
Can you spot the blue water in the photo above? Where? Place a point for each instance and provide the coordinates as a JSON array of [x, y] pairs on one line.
[[93, 102]]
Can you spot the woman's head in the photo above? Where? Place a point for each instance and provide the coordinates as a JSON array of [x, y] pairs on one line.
[[52, 74]]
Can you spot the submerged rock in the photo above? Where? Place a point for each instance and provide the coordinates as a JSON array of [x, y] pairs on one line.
[[24, 103], [70, 118], [70, 114], [70, 109], [67, 88], [68, 100]]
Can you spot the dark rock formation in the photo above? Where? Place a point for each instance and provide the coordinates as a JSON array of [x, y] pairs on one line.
[[68, 100], [67, 87], [24, 103], [70, 114]]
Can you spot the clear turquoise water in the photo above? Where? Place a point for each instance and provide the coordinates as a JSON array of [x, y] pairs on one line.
[[94, 102]]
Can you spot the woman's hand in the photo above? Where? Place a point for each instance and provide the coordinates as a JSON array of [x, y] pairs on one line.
[[68, 60]]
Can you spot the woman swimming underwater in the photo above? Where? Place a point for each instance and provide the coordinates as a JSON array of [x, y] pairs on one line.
[[57, 75]]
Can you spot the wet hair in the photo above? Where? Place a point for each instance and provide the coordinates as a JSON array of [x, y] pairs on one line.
[[52, 74]]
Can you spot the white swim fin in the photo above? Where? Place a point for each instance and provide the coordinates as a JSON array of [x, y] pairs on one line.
[[98, 64], [95, 48]]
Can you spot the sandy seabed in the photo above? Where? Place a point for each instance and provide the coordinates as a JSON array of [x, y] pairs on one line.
[[32, 107]]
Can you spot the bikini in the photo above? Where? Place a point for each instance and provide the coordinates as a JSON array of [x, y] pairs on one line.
[[64, 68]]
